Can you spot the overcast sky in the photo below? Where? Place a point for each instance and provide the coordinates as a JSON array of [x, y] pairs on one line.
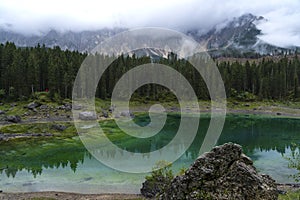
[[35, 16]]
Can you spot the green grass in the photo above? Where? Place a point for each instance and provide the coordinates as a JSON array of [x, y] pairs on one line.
[[15, 110], [39, 128], [291, 195], [105, 104]]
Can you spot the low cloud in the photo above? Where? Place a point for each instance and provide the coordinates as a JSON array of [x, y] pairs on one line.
[[34, 17], [282, 27]]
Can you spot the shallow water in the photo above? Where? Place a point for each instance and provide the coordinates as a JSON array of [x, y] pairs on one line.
[[63, 164]]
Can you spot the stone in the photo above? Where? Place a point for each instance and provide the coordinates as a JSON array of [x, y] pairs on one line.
[[127, 114], [33, 105], [67, 106], [77, 106], [173, 108], [2, 112], [247, 105], [111, 108], [43, 107], [117, 115], [105, 114], [62, 107], [13, 118], [13, 104], [87, 115], [58, 127], [223, 173], [26, 114]]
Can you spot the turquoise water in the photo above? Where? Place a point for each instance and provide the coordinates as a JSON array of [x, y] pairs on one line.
[[63, 164]]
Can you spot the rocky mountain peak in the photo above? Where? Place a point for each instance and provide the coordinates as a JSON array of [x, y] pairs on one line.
[[239, 34]]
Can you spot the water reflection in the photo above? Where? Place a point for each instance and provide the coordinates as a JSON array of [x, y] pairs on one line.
[[260, 137], [34, 155], [263, 133]]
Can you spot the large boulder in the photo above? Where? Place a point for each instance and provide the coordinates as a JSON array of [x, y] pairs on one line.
[[223, 173], [87, 115]]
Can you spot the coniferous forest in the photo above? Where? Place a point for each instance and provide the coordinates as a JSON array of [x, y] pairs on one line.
[[24, 71]]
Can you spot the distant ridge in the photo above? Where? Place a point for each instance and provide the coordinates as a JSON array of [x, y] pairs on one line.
[[232, 37]]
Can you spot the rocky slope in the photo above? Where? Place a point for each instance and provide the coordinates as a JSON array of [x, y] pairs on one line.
[[238, 35]]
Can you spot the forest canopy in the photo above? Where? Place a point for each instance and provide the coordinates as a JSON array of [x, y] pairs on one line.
[[24, 71]]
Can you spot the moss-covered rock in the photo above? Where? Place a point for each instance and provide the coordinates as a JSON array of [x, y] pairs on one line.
[[223, 173]]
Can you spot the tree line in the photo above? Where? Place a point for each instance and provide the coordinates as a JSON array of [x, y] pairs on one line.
[[24, 71]]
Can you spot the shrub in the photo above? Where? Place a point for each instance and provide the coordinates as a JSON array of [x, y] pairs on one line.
[[157, 182]]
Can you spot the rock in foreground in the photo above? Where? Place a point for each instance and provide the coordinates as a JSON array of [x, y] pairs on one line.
[[223, 173]]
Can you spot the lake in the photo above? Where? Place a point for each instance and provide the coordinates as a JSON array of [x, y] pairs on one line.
[[63, 164]]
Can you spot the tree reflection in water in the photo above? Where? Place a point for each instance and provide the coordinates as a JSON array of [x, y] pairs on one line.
[[252, 132]]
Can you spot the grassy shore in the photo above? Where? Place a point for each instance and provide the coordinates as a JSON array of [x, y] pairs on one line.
[[42, 121], [65, 196], [291, 195]]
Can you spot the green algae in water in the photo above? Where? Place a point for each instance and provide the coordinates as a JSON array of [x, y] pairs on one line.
[[65, 165]]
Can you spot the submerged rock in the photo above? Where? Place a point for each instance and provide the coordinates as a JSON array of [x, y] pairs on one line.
[[223, 173]]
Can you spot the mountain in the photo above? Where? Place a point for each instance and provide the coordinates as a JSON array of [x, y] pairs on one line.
[[81, 41], [238, 36]]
